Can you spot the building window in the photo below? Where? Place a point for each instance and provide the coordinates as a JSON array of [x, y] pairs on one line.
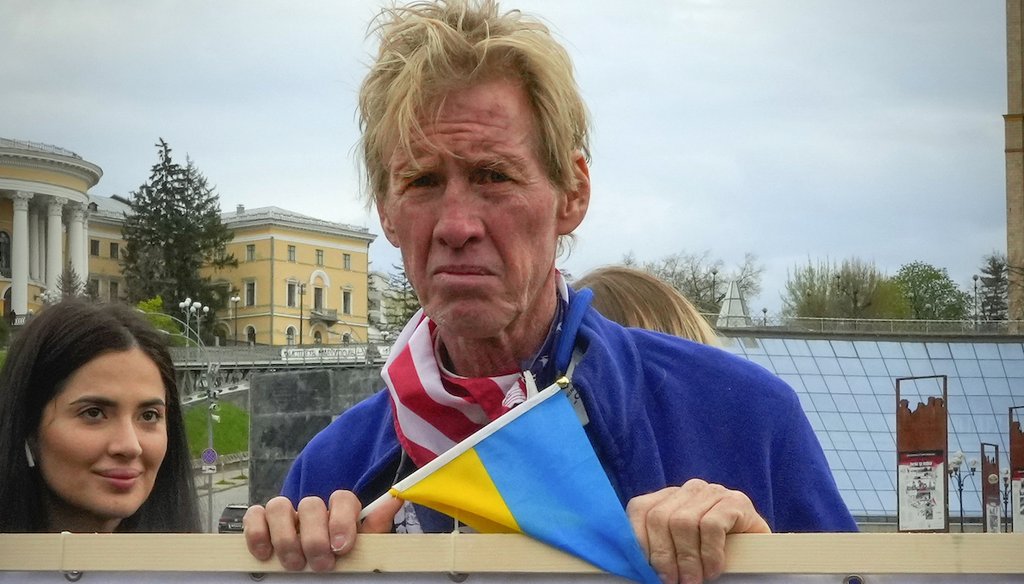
[[291, 294], [318, 338], [250, 293], [346, 338], [114, 250], [346, 260], [318, 299], [5, 254], [291, 253], [290, 336], [250, 252], [346, 301], [94, 247], [319, 257], [94, 288], [250, 335], [113, 287]]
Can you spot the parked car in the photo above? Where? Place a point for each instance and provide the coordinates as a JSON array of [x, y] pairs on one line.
[[231, 519]]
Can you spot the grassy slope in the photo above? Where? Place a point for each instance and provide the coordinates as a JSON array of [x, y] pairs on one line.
[[230, 435]]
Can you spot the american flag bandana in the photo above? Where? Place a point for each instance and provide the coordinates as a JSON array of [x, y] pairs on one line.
[[433, 409]]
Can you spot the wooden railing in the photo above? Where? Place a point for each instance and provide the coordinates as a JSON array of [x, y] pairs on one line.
[[834, 558]]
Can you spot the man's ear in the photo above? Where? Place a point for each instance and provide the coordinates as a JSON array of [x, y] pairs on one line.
[[575, 202], [385, 222]]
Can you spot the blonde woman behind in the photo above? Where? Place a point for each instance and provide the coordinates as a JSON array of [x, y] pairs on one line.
[[635, 298]]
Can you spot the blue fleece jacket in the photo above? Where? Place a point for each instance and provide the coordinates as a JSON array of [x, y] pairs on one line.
[[661, 409]]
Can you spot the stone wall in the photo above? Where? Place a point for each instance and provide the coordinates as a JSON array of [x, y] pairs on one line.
[[288, 408]]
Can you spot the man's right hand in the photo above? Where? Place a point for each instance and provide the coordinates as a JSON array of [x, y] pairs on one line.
[[314, 533]]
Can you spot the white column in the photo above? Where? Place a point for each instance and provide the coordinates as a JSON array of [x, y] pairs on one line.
[[54, 234], [40, 244], [76, 241], [19, 254], [85, 245], [33, 244]]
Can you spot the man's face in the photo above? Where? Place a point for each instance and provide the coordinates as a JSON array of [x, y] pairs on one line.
[[476, 217]]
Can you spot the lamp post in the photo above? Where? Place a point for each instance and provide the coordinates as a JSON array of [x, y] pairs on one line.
[[234, 311], [977, 315], [956, 473], [764, 318], [186, 307], [302, 296], [1006, 500], [201, 312], [714, 285]]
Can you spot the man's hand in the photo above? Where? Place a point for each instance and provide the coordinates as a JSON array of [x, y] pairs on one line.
[[314, 533], [683, 529]]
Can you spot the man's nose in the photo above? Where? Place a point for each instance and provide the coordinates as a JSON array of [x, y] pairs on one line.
[[458, 215]]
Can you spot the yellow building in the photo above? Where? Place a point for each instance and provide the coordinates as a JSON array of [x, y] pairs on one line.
[[106, 246], [43, 221], [299, 280]]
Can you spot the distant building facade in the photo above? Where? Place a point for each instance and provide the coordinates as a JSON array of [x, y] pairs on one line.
[[44, 206], [299, 280]]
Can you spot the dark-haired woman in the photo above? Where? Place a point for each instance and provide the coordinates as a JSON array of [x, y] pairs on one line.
[[92, 437]]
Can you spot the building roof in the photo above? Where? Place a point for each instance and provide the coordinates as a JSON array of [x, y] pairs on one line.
[[846, 386], [49, 157], [242, 217], [37, 147]]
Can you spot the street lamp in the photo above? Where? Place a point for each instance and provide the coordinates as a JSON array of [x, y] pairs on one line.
[[200, 312], [1006, 499], [764, 320], [234, 311], [956, 473], [977, 316], [714, 285], [302, 296]]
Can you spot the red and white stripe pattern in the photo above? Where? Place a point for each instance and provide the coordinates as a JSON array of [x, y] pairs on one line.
[[434, 409]]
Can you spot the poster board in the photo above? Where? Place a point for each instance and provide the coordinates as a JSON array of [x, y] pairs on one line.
[[922, 434], [476, 558]]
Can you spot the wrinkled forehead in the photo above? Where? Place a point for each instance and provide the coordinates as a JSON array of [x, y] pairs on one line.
[[414, 144]]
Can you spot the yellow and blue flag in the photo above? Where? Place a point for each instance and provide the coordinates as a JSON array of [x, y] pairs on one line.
[[533, 471]]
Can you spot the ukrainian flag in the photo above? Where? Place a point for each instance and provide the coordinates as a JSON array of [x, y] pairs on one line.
[[533, 471]]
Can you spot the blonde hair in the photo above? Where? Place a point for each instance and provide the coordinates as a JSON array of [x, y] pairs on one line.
[[637, 299], [428, 49]]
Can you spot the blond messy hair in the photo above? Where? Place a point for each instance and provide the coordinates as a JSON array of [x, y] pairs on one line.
[[428, 49], [635, 298]]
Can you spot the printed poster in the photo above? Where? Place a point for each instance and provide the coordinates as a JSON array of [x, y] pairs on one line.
[[921, 491]]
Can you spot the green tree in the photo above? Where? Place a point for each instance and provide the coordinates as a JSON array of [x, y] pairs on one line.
[[174, 230], [703, 280], [995, 285], [931, 294], [153, 308], [402, 299], [853, 288], [69, 284]]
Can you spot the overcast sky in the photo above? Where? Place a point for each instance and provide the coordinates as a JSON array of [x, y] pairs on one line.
[[792, 129]]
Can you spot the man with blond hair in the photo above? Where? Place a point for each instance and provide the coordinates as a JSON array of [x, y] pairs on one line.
[[475, 143]]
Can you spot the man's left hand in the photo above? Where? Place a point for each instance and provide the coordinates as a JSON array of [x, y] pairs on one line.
[[683, 529]]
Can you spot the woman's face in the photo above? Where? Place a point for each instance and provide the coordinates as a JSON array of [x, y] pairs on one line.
[[101, 441]]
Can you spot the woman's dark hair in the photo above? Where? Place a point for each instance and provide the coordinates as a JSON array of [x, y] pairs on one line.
[[43, 355]]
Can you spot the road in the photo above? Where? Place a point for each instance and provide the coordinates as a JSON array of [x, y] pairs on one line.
[[228, 489]]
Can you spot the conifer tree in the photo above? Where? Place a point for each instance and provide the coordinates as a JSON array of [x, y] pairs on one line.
[[174, 230], [994, 287]]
